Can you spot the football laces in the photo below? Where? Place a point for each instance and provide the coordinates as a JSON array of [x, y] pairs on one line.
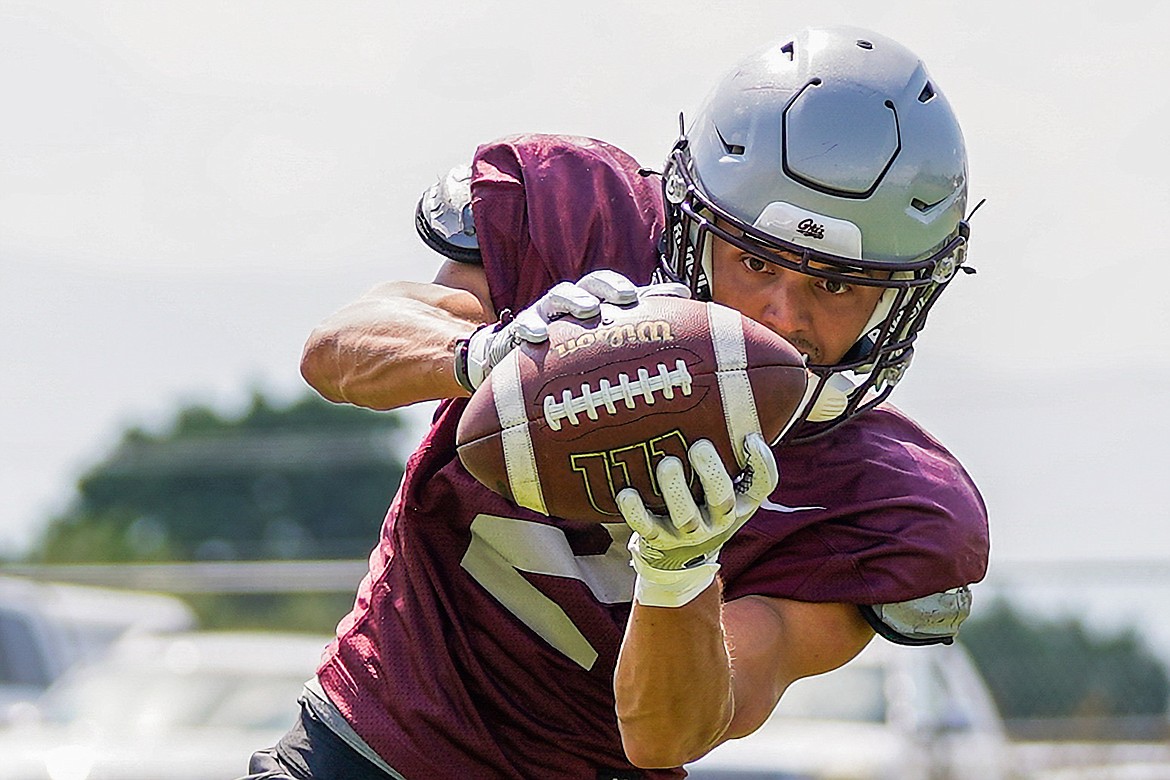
[[626, 390]]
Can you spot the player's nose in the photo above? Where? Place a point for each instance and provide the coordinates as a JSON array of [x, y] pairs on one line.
[[785, 308]]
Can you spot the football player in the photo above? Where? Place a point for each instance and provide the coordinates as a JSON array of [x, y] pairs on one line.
[[820, 190]]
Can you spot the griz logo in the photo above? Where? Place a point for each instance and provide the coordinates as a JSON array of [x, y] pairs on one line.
[[811, 229], [604, 474]]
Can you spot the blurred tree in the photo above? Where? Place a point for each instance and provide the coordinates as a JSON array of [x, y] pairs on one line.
[[1039, 668], [310, 479]]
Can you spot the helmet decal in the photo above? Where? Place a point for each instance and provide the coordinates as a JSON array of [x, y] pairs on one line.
[[809, 229]]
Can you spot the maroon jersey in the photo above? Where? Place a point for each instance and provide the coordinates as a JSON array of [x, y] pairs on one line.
[[484, 639]]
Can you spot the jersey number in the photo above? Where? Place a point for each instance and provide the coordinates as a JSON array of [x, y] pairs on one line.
[[502, 547]]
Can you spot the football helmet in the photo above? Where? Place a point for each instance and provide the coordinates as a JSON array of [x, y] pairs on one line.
[[835, 154]]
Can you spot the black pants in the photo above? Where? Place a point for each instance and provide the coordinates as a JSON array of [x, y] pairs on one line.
[[311, 751]]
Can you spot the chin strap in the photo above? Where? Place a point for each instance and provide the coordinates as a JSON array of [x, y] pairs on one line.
[[831, 398]]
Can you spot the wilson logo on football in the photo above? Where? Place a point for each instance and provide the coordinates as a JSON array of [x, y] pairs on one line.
[[811, 229], [626, 391], [645, 332]]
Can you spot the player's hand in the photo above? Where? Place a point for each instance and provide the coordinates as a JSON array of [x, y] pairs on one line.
[[676, 555], [582, 299]]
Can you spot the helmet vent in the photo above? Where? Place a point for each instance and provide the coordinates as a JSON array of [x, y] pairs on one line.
[[922, 206], [789, 51], [864, 44], [927, 93], [729, 148]]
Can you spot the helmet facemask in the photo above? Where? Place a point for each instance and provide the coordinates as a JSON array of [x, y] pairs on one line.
[[868, 372]]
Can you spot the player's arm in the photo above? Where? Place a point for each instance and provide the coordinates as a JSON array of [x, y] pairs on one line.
[[405, 342], [693, 672], [773, 642], [692, 677], [394, 346]]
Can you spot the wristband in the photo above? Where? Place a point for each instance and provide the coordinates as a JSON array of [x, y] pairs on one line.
[[673, 588], [479, 358], [461, 365], [478, 353]]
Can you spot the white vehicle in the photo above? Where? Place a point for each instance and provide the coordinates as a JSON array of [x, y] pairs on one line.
[[893, 713], [46, 628], [189, 706]]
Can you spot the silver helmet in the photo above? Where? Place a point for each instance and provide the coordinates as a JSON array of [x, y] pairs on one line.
[[836, 147]]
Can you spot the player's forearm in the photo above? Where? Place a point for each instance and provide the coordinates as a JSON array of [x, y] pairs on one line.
[[673, 682], [391, 348]]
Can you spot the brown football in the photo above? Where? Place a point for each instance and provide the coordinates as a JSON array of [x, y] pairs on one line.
[[561, 427]]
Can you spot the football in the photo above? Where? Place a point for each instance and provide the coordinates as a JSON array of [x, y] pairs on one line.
[[562, 426]]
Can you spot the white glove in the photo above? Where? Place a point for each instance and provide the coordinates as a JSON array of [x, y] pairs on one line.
[[676, 556], [478, 355]]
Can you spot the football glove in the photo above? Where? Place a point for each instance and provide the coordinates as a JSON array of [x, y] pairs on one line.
[[476, 355], [676, 555]]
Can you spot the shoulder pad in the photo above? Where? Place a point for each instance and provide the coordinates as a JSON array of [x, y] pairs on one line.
[[443, 217], [928, 620]]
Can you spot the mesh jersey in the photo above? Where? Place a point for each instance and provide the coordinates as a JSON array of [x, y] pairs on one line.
[[484, 638]]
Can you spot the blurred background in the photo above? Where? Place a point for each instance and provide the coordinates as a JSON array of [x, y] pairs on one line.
[[187, 188]]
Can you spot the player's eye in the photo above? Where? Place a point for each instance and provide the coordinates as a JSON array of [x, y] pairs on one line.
[[754, 264], [834, 286]]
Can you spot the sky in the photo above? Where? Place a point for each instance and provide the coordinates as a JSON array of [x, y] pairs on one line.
[[186, 188]]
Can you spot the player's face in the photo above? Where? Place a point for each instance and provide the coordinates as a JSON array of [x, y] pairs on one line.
[[820, 317]]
